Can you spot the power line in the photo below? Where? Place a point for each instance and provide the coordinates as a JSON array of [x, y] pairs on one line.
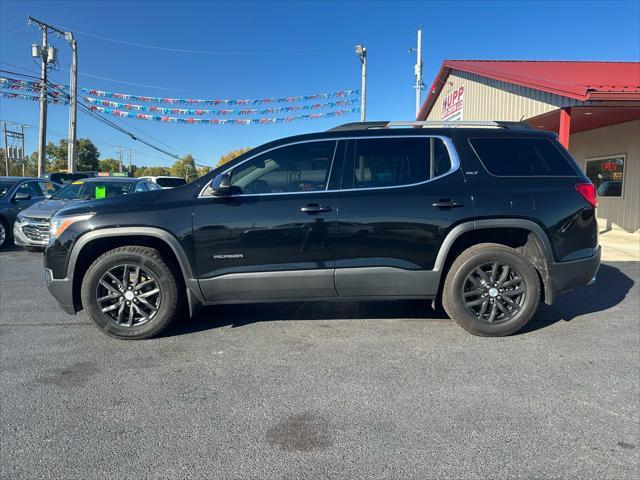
[[209, 52], [87, 111], [141, 84]]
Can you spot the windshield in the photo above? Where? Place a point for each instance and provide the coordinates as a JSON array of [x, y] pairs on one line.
[[5, 185], [170, 182], [92, 190]]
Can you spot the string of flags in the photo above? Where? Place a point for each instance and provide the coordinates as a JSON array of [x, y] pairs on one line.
[[221, 121], [226, 112], [228, 101], [15, 84], [343, 102], [35, 98]]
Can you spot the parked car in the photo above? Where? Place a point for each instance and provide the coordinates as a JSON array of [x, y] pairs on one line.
[[488, 220], [64, 178], [610, 188], [166, 182], [31, 227], [16, 194]]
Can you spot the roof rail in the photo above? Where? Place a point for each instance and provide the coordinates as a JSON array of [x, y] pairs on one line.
[[359, 126], [430, 123]]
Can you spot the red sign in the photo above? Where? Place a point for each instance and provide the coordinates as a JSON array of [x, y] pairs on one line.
[[452, 105]]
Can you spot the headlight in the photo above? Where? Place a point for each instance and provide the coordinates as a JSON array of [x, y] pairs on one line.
[[59, 223], [19, 219]]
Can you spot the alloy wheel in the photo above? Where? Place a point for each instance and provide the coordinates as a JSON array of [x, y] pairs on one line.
[[494, 292], [3, 234], [128, 295]]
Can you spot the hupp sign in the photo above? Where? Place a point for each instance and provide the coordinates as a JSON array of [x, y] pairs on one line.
[[452, 105]]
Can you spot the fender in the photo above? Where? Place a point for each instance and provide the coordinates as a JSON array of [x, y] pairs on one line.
[[492, 223], [194, 294]]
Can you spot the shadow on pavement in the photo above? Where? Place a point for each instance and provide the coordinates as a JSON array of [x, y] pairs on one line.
[[609, 290]]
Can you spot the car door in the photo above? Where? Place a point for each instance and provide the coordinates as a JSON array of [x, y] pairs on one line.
[[399, 198], [29, 188], [273, 236]]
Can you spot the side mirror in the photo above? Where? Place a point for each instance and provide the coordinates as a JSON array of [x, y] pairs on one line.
[[22, 196], [221, 185], [48, 196]]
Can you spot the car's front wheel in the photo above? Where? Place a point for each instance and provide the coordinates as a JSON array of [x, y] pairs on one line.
[[491, 290], [131, 292], [4, 232]]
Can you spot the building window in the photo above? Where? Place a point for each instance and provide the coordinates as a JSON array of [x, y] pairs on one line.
[[607, 174]]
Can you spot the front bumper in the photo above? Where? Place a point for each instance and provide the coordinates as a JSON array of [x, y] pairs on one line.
[[565, 276], [62, 291]]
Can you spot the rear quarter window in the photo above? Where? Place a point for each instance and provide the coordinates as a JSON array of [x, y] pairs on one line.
[[522, 157]]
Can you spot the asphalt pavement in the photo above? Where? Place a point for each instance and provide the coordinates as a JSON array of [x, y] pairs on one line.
[[321, 390]]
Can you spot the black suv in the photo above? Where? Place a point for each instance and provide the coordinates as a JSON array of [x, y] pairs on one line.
[[488, 217]]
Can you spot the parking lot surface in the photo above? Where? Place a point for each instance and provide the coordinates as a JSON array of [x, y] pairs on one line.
[[321, 390]]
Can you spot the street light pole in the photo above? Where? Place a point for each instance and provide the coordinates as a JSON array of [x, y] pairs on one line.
[[361, 51], [417, 70], [419, 73], [73, 105]]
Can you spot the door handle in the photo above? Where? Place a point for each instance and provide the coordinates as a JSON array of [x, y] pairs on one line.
[[447, 203], [315, 208]]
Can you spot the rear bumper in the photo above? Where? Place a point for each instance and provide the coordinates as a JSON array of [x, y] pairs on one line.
[[62, 291], [566, 276]]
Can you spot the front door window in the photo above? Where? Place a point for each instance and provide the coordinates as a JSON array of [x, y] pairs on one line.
[[302, 167]]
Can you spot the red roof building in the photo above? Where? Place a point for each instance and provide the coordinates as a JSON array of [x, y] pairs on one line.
[[593, 106]]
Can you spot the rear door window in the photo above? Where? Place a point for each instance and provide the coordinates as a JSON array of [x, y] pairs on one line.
[[522, 157], [170, 182], [394, 161]]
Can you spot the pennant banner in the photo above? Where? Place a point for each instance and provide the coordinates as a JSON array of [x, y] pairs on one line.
[[34, 98], [251, 111], [15, 84], [193, 101], [221, 121]]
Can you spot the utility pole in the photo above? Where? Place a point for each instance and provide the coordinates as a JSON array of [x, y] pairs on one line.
[[48, 54], [6, 151], [119, 152], [361, 51], [13, 153], [73, 104], [23, 154], [129, 171], [417, 70]]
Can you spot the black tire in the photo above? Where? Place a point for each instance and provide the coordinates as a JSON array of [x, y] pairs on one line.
[[148, 260], [480, 322], [4, 232]]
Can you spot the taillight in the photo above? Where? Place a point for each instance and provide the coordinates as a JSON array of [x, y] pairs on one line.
[[588, 191]]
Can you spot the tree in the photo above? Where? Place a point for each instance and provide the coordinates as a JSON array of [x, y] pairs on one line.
[[184, 167], [227, 157], [152, 171], [203, 171], [15, 168], [88, 155], [109, 165]]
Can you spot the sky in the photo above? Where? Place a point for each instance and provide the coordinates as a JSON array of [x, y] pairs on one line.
[[274, 49]]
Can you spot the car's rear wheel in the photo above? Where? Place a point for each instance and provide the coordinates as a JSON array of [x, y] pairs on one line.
[[491, 290], [131, 292]]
